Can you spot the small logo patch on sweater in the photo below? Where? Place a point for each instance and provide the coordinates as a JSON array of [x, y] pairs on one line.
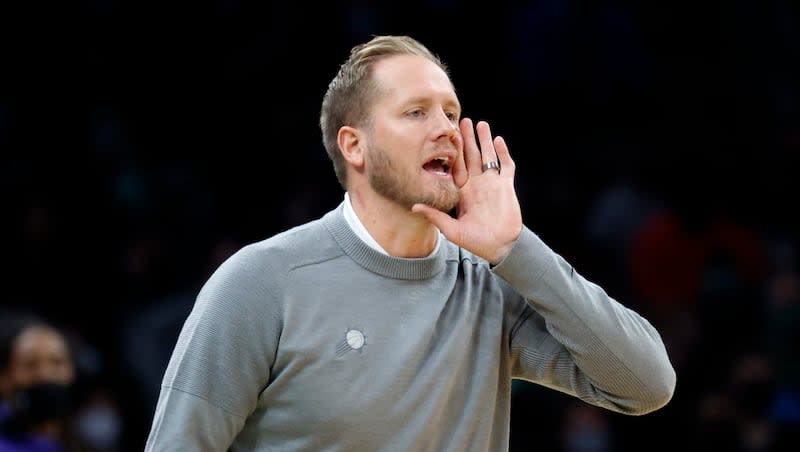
[[354, 339]]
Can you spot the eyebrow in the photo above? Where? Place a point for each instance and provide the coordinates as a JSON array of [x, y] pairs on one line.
[[426, 99]]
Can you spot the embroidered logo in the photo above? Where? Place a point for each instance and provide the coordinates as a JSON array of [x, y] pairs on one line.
[[353, 340]]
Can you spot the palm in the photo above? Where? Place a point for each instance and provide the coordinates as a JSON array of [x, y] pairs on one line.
[[489, 218]]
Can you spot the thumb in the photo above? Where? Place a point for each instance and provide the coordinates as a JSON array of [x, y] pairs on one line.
[[441, 220]]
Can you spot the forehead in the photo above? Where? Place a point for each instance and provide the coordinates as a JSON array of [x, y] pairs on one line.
[[37, 340], [402, 77]]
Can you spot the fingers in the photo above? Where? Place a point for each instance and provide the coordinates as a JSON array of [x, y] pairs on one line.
[[472, 153], [488, 153], [460, 175], [484, 149], [506, 163]]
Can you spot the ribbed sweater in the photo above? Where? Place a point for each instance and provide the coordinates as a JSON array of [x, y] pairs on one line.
[[311, 340]]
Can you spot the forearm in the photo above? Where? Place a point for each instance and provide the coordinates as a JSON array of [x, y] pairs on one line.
[[618, 351]]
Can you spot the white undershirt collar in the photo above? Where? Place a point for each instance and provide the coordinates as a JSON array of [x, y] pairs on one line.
[[358, 227]]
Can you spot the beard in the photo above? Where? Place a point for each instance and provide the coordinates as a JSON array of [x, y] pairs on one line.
[[398, 185]]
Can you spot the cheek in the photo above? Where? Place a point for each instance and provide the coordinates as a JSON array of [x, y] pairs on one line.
[[23, 376], [398, 140], [59, 371], [65, 373]]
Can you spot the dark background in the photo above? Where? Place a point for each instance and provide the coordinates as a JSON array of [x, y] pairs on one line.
[[656, 144]]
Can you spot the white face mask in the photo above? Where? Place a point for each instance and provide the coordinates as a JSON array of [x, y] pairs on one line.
[[100, 426]]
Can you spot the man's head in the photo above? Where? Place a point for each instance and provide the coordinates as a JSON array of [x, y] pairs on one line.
[[393, 102]]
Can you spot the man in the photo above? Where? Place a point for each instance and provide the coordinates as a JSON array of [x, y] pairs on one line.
[[390, 324]]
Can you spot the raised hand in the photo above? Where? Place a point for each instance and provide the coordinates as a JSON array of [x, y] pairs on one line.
[[488, 219]]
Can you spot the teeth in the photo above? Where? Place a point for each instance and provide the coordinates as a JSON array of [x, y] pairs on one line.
[[443, 159]]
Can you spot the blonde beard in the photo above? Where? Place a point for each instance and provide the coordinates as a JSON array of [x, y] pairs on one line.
[[399, 187]]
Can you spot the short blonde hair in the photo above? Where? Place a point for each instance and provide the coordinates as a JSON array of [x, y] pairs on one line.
[[352, 91]]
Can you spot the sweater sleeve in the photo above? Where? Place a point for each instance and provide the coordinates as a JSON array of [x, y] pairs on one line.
[[575, 338], [221, 362]]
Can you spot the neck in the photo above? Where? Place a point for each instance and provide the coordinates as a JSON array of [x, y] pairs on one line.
[[397, 230]]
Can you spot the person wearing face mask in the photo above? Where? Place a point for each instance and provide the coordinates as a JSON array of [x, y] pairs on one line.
[[37, 373]]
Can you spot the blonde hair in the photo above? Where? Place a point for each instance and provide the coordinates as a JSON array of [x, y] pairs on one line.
[[352, 91]]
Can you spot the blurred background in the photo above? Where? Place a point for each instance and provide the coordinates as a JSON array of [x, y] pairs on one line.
[[656, 144]]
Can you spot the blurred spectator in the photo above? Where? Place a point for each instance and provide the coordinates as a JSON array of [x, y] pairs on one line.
[[687, 258], [37, 376], [615, 214], [734, 415], [99, 421]]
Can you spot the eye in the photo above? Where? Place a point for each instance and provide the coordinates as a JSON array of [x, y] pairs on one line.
[[416, 113], [451, 115]]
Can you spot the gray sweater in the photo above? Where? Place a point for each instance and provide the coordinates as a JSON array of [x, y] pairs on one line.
[[313, 341]]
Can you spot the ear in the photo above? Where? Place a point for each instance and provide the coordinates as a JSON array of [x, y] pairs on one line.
[[351, 143]]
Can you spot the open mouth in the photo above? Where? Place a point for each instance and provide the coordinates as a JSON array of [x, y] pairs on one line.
[[439, 166]]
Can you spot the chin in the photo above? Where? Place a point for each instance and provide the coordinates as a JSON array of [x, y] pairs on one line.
[[445, 199]]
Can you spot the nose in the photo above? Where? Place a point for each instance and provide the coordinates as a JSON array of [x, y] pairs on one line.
[[53, 370], [446, 127]]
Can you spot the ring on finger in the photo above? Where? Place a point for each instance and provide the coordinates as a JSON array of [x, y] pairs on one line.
[[494, 164]]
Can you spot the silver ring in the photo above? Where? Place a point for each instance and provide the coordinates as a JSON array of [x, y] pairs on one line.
[[493, 164]]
